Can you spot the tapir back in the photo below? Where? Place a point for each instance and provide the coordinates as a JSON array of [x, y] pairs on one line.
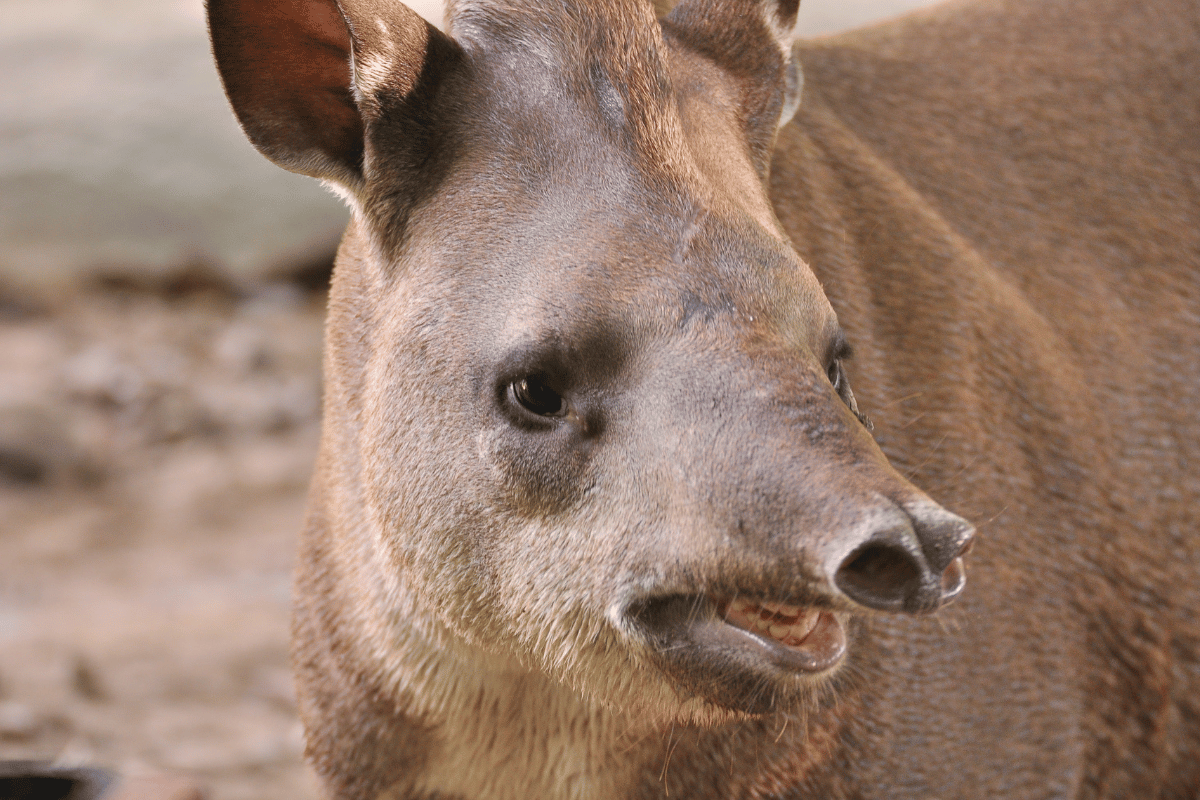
[[1002, 200]]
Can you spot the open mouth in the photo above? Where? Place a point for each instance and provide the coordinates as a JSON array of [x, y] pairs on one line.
[[793, 637], [729, 650]]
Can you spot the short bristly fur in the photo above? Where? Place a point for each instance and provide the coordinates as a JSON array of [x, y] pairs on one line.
[[585, 391]]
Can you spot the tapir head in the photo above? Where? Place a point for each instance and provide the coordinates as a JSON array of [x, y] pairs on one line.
[[587, 410]]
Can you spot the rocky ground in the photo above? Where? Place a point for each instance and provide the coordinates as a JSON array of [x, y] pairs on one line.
[[155, 445]]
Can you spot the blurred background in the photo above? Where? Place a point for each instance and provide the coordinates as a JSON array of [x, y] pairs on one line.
[[161, 299]]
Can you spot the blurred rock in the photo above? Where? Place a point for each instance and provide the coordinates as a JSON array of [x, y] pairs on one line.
[[18, 722], [243, 349], [117, 146], [38, 448], [39, 780], [310, 274], [17, 305], [85, 680], [198, 277], [157, 787], [259, 405], [18, 465], [174, 415], [101, 375]]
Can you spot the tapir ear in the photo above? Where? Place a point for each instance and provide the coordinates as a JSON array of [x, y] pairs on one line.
[[306, 77], [752, 41]]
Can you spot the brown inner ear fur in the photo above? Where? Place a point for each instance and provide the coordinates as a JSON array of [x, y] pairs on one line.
[[286, 69], [738, 38]]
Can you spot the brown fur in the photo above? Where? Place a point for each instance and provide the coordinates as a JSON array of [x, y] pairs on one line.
[[1000, 201]]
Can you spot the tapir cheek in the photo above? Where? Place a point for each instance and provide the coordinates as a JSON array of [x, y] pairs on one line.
[[534, 474]]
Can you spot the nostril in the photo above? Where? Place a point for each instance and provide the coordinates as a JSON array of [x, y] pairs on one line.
[[881, 576]]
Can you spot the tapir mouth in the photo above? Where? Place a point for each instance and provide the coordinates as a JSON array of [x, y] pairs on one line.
[[730, 649], [806, 639]]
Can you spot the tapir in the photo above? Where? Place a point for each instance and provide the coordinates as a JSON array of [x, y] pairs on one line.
[[711, 414]]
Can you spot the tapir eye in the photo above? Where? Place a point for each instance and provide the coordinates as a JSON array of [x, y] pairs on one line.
[[836, 377], [535, 396]]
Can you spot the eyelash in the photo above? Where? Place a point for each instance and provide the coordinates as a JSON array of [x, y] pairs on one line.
[[836, 374]]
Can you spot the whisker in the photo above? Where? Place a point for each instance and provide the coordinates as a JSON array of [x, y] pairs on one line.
[[928, 458], [897, 401], [786, 720], [667, 761]]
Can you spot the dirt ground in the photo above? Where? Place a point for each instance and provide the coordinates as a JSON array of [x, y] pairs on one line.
[[155, 448]]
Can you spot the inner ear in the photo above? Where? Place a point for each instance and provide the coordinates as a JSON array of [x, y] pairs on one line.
[[751, 40], [308, 78], [286, 69], [787, 11]]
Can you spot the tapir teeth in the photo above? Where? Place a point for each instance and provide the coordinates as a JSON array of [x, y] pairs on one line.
[[784, 623]]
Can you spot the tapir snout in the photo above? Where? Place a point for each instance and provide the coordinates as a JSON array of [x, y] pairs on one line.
[[768, 445], [788, 521]]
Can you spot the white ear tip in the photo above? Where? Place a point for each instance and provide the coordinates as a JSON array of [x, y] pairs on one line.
[[793, 89]]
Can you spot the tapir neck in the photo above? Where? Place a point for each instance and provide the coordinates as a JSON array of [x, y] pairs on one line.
[[436, 717], [511, 735]]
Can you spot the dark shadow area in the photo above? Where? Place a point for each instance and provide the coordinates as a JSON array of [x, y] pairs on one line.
[[31, 780]]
